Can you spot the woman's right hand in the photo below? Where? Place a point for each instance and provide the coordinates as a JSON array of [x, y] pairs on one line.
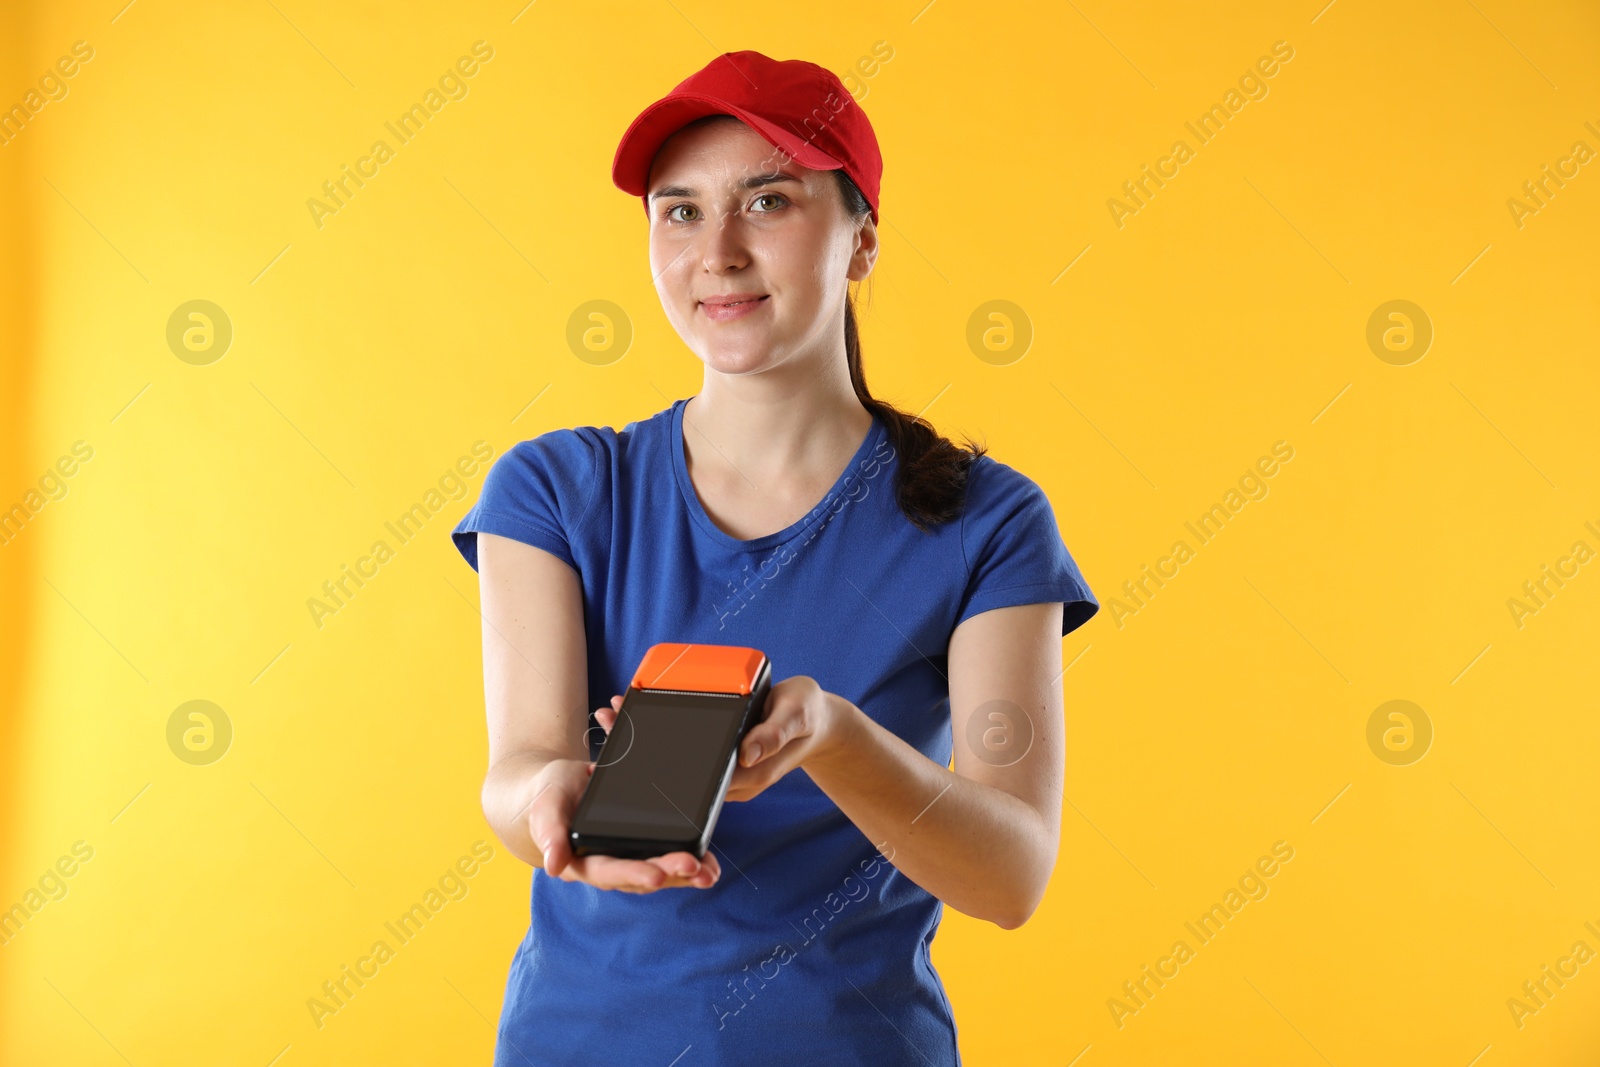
[[557, 790]]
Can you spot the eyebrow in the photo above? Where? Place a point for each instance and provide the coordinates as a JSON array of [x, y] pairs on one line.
[[753, 182]]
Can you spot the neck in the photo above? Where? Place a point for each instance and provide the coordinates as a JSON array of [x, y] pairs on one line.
[[790, 420]]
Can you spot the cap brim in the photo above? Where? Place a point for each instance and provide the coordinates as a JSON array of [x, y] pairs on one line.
[[630, 168]]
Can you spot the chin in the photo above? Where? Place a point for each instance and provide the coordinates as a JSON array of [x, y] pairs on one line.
[[736, 360]]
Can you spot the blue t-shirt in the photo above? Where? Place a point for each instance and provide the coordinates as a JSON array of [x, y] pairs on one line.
[[811, 948]]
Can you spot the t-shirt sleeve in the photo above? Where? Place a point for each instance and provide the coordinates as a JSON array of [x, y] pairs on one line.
[[539, 492], [1014, 550]]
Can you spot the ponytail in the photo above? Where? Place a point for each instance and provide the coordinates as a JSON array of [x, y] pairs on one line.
[[931, 486]]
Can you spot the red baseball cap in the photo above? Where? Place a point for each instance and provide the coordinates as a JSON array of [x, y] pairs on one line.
[[800, 108]]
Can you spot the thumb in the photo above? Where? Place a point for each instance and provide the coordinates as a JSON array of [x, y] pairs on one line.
[[549, 834], [607, 717]]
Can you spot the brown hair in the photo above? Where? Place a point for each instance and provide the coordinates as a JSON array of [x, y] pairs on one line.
[[932, 481]]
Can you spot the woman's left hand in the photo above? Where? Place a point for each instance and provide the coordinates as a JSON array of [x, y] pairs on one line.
[[801, 719]]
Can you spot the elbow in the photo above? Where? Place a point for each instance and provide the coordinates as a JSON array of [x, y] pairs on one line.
[[1015, 915], [505, 805], [1026, 893], [1017, 906]]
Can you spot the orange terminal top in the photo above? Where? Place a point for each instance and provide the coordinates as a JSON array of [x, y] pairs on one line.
[[699, 668]]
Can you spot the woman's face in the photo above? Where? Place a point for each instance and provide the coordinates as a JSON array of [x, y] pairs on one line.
[[732, 216]]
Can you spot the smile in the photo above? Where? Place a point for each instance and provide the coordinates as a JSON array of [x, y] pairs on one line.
[[724, 312]]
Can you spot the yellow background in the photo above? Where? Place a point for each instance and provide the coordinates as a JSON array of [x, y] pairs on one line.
[[1229, 313]]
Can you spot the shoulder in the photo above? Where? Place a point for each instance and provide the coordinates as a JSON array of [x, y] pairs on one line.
[[1006, 514], [582, 453], [990, 479], [556, 473], [572, 451], [996, 493], [574, 463], [554, 490], [558, 465], [1013, 547]]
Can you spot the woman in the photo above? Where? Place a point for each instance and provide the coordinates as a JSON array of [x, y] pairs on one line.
[[911, 595]]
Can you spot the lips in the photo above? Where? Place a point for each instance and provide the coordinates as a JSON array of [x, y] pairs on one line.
[[733, 299], [732, 306]]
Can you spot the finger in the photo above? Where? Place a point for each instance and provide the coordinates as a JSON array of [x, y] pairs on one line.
[[637, 873], [700, 874], [760, 741], [764, 740], [546, 826], [611, 872], [593, 871], [679, 864], [768, 735], [744, 778], [606, 717], [786, 725], [640, 873], [705, 874], [750, 782], [554, 846]]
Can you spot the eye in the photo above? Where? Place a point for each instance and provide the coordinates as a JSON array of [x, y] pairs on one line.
[[673, 219]]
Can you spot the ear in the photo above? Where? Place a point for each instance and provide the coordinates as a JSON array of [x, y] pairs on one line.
[[866, 251]]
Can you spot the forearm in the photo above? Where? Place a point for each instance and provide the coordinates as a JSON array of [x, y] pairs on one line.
[[508, 791], [978, 849]]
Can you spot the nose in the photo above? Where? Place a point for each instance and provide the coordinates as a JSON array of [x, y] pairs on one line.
[[723, 245]]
